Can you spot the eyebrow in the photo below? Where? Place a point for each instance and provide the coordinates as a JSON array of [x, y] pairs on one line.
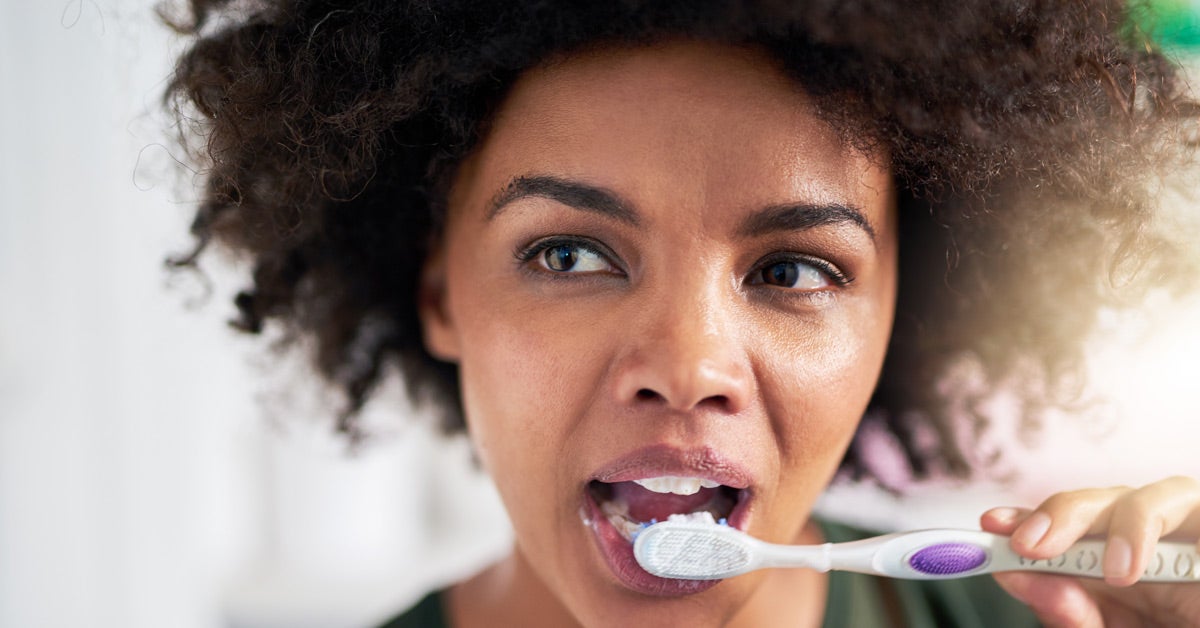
[[803, 216], [772, 219], [570, 193]]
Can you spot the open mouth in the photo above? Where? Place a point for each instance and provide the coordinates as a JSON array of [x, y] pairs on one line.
[[617, 510], [630, 505], [656, 483]]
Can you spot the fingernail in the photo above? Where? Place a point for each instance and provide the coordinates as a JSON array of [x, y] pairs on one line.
[[1005, 514], [1118, 558], [1030, 532]]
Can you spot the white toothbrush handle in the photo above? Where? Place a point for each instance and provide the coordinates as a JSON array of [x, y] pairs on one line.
[[943, 554], [1171, 562]]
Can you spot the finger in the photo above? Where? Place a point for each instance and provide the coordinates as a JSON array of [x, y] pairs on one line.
[[1056, 600], [1063, 519], [1003, 520], [1139, 519], [1190, 528]]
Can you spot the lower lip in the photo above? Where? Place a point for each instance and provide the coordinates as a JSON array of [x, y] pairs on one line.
[[618, 554]]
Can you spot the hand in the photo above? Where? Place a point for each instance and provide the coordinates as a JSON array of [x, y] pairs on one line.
[[1132, 520]]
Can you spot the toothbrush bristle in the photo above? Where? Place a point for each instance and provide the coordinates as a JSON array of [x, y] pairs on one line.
[[692, 552]]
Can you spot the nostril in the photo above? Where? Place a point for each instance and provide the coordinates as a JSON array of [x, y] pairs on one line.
[[646, 394], [720, 402]]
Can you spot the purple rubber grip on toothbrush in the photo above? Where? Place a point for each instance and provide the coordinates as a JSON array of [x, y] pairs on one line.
[[945, 559]]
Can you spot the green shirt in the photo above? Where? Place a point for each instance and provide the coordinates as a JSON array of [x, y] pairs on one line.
[[860, 601]]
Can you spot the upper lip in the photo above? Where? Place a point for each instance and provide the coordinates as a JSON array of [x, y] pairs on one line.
[[705, 463]]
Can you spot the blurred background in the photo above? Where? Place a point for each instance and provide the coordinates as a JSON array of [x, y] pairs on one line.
[[157, 469]]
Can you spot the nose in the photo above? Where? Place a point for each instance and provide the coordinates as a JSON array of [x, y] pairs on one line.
[[684, 351]]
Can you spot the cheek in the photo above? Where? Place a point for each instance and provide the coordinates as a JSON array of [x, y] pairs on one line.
[[524, 373], [822, 378]]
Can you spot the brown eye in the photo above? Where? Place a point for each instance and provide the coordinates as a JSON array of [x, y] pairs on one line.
[[560, 258], [793, 274], [780, 275], [573, 258]]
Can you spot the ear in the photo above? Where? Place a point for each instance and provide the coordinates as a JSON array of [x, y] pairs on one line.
[[437, 325]]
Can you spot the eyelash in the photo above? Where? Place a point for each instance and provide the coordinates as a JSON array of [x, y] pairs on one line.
[[835, 274], [526, 254]]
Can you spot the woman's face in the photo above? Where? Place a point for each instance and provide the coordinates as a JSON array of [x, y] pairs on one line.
[[660, 263]]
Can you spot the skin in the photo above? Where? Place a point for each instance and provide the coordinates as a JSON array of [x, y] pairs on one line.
[[665, 331], [1132, 520]]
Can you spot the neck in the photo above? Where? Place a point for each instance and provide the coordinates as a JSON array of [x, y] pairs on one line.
[[508, 593]]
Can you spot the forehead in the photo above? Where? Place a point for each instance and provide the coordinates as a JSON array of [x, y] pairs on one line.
[[716, 125]]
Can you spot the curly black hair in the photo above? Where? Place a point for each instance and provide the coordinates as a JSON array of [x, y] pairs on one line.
[[1023, 135]]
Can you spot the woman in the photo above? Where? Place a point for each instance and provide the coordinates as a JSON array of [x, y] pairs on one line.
[[663, 258]]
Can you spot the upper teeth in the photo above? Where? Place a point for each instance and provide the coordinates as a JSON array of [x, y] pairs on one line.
[[675, 484]]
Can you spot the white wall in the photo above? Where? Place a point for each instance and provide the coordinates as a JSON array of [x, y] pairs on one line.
[[141, 486]]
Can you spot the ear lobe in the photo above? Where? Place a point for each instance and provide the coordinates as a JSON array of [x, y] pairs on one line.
[[437, 325]]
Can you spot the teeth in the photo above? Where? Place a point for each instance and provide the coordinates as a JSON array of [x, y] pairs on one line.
[[616, 511], [615, 508], [675, 484], [694, 517], [626, 527], [618, 516]]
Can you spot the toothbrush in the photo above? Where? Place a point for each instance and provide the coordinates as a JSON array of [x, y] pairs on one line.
[[707, 551]]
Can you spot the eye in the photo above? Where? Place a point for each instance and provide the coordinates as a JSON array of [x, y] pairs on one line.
[[801, 273], [569, 257], [793, 275]]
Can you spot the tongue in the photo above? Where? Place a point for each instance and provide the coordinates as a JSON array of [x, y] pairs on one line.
[[645, 505]]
